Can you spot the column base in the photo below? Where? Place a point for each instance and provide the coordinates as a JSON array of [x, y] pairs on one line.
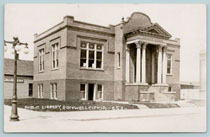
[[160, 84], [141, 84]]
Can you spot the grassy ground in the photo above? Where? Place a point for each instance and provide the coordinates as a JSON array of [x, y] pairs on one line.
[[54, 105], [159, 105]]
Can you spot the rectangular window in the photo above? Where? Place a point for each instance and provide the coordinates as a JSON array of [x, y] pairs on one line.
[[169, 64], [91, 59], [38, 93], [55, 61], [40, 90], [99, 59], [30, 89], [41, 60], [118, 60], [91, 55], [83, 58], [53, 91], [82, 90], [91, 91], [99, 91], [170, 89]]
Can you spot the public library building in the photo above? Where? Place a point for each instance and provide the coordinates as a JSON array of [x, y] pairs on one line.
[[134, 60]]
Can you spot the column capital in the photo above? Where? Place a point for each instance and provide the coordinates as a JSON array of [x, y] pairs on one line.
[[164, 48], [160, 47], [138, 44], [127, 48], [144, 45]]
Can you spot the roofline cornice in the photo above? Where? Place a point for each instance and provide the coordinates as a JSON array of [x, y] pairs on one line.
[[75, 28], [134, 33], [18, 75]]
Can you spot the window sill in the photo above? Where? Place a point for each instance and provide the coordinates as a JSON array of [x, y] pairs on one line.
[[92, 69], [169, 75], [99, 100], [54, 69], [41, 71]]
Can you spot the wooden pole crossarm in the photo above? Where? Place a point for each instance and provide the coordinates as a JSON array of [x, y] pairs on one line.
[[8, 42], [12, 42], [20, 43]]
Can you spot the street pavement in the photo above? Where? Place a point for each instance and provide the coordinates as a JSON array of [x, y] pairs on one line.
[[186, 119]]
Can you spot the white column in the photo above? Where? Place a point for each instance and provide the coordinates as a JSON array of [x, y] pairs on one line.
[[138, 60], [94, 92], [144, 63], [127, 65], [86, 91], [153, 67], [159, 64], [164, 65]]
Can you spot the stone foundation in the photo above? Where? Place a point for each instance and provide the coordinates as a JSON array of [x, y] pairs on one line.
[[148, 93]]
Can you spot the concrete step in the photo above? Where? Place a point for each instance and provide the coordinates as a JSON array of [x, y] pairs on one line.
[[158, 96]]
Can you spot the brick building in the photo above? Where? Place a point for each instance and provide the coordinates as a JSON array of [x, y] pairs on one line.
[[24, 78], [133, 60]]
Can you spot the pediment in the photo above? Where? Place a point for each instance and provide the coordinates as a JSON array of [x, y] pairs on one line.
[[152, 30], [156, 29], [140, 23]]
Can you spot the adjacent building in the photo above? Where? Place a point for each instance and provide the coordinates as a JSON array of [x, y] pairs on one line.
[[189, 90], [134, 60], [203, 75], [24, 78]]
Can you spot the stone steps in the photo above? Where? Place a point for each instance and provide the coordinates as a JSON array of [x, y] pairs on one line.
[[158, 93]]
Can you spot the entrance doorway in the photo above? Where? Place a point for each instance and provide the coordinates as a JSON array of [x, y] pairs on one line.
[[90, 91], [151, 64]]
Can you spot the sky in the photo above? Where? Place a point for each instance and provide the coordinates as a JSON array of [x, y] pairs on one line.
[[184, 21]]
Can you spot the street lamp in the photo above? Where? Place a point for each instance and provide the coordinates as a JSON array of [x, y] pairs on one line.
[[16, 48]]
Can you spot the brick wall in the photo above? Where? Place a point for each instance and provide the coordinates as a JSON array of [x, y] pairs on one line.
[[46, 88], [173, 80], [73, 88], [48, 72], [119, 72], [73, 58], [69, 70], [22, 88]]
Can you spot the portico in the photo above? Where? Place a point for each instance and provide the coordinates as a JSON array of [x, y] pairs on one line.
[[149, 55], [145, 63]]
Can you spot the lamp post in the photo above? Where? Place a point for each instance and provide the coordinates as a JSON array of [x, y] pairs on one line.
[[16, 48]]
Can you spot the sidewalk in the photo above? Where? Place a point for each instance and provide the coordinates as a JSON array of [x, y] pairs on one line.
[[41, 121], [98, 115]]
